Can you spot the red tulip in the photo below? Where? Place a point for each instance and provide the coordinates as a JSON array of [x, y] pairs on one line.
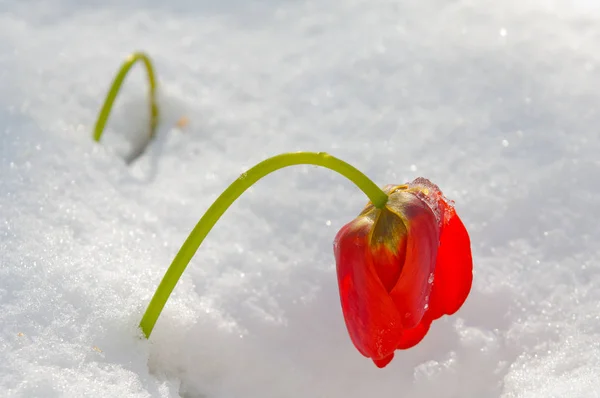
[[401, 267]]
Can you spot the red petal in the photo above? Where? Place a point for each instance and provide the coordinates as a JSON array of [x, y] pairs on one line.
[[371, 317], [382, 363], [412, 337], [454, 269], [411, 293], [388, 238]]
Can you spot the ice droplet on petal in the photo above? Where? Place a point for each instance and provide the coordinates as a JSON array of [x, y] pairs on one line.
[[429, 193]]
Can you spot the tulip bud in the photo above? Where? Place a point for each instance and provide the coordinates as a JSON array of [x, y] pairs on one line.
[[400, 267]]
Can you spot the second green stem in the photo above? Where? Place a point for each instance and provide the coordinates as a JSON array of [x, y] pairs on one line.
[[116, 86]]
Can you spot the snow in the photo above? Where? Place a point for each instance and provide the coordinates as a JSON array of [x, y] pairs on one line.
[[496, 102]]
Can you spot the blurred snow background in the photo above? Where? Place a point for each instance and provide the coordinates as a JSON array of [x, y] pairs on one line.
[[497, 102]]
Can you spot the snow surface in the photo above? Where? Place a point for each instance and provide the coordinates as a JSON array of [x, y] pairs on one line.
[[495, 101]]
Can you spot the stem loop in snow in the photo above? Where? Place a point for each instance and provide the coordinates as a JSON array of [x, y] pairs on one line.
[[116, 86], [216, 210]]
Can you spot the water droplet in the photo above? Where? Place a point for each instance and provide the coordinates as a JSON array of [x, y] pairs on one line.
[[243, 175], [407, 315], [505, 143], [426, 307], [328, 223], [503, 32], [430, 280]]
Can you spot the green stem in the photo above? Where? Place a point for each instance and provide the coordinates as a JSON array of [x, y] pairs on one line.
[[216, 210], [116, 86]]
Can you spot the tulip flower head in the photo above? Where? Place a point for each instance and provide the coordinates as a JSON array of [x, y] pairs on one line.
[[400, 267]]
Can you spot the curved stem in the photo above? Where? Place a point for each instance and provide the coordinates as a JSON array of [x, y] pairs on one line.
[[116, 86], [216, 210]]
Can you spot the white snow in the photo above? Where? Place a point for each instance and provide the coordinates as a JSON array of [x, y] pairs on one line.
[[497, 102]]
